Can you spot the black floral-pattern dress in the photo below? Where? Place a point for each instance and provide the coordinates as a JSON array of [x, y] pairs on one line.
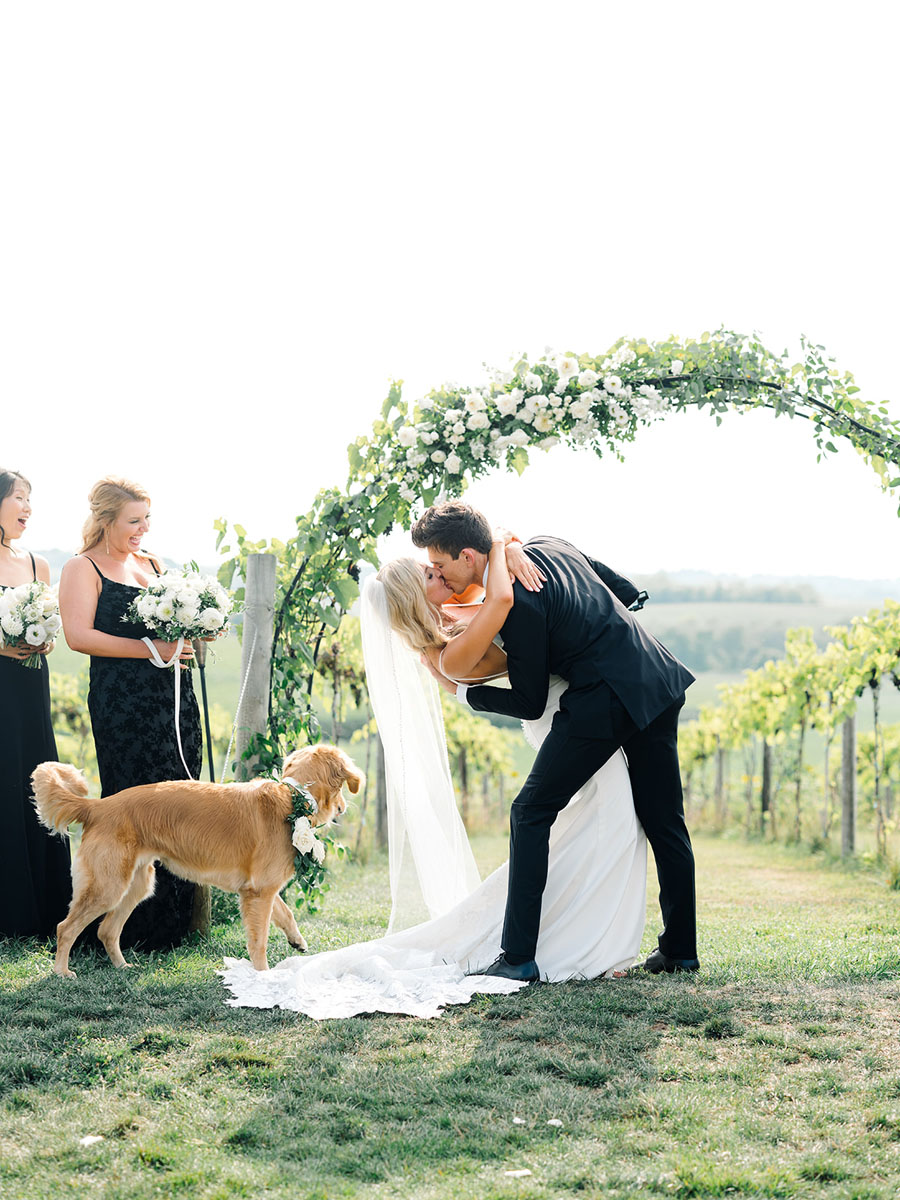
[[132, 707], [35, 878]]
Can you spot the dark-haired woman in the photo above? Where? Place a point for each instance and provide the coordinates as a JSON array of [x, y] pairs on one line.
[[35, 876]]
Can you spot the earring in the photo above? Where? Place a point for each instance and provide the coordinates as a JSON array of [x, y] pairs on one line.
[[107, 543]]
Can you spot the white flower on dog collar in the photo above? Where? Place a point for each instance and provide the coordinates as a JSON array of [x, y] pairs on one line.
[[303, 838]]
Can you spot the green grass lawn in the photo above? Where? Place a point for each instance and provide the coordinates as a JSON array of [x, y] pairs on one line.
[[775, 1072]]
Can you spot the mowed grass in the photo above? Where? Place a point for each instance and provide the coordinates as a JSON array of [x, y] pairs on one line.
[[775, 1072]]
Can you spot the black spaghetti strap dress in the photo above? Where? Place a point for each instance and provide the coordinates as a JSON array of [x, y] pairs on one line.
[[35, 875], [132, 707]]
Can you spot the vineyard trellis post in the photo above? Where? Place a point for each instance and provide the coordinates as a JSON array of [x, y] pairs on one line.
[[381, 829], [766, 813], [256, 656], [848, 788], [720, 784]]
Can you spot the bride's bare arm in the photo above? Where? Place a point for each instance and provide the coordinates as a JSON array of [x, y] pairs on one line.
[[491, 666], [465, 652]]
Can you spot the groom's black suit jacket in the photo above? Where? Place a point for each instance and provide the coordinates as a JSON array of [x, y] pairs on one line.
[[578, 627]]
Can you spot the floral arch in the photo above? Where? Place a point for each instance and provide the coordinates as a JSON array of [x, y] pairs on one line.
[[435, 445]]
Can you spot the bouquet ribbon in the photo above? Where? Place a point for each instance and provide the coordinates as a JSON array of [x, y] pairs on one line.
[[158, 661]]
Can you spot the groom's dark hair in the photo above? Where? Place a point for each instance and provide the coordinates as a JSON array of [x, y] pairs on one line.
[[451, 527]]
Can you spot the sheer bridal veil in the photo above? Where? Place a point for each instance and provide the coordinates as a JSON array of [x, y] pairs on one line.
[[431, 863]]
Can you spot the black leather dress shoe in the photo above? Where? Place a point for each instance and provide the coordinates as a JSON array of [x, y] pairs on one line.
[[527, 972], [658, 962]]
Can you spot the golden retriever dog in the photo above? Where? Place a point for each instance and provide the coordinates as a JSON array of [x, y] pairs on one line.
[[235, 836]]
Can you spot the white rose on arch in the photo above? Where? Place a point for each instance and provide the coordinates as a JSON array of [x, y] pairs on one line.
[[649, 391], [478, 420], [453, 464], [566, 366], [543, 422], [438, 456], [518, 437], [507, 404], [532, 382], [406, 435], [676, 366]]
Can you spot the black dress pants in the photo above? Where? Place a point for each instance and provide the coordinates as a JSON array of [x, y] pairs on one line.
[[564, 763]]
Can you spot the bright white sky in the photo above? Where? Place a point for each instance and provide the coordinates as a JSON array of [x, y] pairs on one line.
[[225, 227]]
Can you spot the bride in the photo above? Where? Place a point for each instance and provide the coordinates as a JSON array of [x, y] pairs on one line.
[[445, 925]]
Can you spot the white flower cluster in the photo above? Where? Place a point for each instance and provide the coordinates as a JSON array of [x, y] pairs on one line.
[[182, 604], [29, 615], [456, 430], [305, 841]]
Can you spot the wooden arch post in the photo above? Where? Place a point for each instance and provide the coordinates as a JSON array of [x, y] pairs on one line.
[[256, 657]]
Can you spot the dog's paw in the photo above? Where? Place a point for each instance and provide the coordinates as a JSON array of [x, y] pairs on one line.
[[301, 945], [68, 973]]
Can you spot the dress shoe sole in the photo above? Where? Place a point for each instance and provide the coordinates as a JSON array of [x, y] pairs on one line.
[[670, 969]]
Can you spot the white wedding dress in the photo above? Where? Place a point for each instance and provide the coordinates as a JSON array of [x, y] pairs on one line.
[[592, 921]]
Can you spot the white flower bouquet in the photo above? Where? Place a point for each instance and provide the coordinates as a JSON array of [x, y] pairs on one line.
[[182, 604], [29, 616]]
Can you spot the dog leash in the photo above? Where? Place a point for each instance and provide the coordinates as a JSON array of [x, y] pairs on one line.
[[158, 661]]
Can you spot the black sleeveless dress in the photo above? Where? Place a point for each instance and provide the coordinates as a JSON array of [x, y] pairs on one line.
[[132, 707], [35, 875]]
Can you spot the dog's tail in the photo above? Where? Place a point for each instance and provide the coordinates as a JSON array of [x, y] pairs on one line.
[[60, 793]]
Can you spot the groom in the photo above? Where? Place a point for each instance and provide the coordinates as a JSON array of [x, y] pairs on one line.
[[625, 690]]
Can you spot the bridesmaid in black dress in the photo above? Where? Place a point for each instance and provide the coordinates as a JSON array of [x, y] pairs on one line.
[[131, 702], [35, 878]]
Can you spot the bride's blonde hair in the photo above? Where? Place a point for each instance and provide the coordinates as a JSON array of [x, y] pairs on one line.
[[107, 498], [409, 612]]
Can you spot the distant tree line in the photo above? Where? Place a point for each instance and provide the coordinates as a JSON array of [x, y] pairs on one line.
[[734, 648], [664, 589]]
